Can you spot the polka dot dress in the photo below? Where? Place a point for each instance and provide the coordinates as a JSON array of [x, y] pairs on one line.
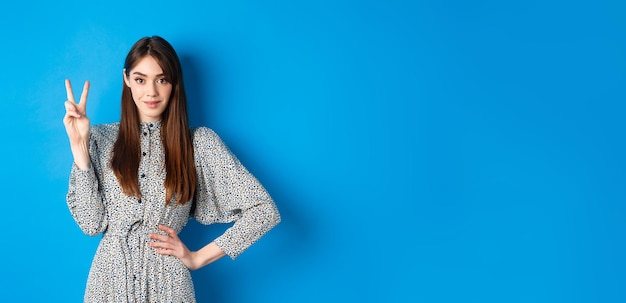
[[125, 267]]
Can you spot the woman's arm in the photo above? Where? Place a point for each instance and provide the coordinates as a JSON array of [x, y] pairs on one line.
[[173, 246], [228, 192], [83, 197]]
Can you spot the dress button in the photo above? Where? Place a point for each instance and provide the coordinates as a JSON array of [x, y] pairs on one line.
[[143, 175], [139, 201], [134, 277], [144, 153], [151, 125], [145, 133]]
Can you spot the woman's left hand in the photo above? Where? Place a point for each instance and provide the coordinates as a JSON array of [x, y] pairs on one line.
[[173, 246]]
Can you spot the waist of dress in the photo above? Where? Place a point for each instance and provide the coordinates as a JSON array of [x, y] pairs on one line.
[[138, 228]]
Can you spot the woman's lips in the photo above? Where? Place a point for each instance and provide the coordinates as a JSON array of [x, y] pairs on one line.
[[151, 104]]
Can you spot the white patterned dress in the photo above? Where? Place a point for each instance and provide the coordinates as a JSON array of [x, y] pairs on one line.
[[125, 268]]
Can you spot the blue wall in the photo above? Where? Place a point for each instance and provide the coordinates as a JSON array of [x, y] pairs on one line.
[[431, 151]]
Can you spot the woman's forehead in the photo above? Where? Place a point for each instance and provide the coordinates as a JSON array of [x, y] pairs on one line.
[[147, 66]]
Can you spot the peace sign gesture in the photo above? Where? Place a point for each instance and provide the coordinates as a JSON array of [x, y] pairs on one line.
[[77, 124]]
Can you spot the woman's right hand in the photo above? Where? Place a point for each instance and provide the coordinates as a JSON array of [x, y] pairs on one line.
[[77, 125], [75, 120]]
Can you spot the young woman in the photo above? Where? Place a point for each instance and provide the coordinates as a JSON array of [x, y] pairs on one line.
[[138, 182]]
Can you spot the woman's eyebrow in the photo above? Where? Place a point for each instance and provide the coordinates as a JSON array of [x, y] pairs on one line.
[[144, 75]]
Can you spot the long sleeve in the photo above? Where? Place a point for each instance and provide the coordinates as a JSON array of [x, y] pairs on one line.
[[84, 198], [227, 192]]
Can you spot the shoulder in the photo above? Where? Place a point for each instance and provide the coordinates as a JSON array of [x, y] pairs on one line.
[[106, 132], [206, 139], [203, 133]]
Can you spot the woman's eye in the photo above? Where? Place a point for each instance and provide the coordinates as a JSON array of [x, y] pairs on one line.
[[139, 80], [161, 81]]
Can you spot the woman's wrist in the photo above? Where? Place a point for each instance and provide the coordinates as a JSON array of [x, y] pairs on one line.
[[80, 151], [208, 254]]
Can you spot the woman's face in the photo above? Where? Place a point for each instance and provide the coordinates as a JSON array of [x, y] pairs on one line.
[[149, 88]]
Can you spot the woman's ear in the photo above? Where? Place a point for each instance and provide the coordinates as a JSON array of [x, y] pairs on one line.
[[125, 78]]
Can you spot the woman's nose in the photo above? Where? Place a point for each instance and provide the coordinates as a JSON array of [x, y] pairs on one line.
[[152, 90]]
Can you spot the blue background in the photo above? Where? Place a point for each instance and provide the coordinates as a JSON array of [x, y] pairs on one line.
[[419, 151]]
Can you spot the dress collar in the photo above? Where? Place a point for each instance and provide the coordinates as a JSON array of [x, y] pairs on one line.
[[150, 125]]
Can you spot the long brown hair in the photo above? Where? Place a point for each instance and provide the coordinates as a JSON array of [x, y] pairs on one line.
[[180, 179]]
